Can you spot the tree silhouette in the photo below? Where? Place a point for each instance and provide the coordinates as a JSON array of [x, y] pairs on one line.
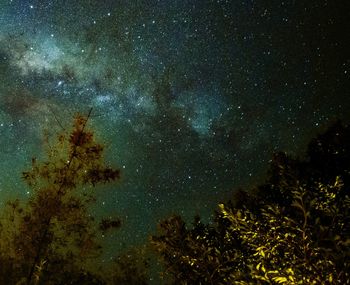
[[293, 229], [130, 268], [53, 234]]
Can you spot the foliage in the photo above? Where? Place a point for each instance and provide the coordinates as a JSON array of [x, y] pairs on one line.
[[52, 236], [130, 268], [293, 229], [194, 256], [295, 247]]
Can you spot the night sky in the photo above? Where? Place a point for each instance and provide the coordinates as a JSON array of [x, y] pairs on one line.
[[190, 97]]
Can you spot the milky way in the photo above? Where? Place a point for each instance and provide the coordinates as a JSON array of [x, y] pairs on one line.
[[190, 97]]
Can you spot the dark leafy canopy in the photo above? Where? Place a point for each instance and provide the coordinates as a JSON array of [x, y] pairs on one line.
[[50, 239], [294, 229], [131, 268]]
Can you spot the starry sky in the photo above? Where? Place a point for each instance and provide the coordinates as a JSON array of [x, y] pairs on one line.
[[191, 97]]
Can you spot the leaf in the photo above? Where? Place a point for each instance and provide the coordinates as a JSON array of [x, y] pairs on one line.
[[280, 280], [330, 278], [258, 266], [296, 204]]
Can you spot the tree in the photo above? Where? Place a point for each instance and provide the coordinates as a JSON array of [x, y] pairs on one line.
[[305, 242], [293, 229], [53, 233], [194, 255], [130, 268]]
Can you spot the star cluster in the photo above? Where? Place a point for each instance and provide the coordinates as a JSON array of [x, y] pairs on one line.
[[191, 97]]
